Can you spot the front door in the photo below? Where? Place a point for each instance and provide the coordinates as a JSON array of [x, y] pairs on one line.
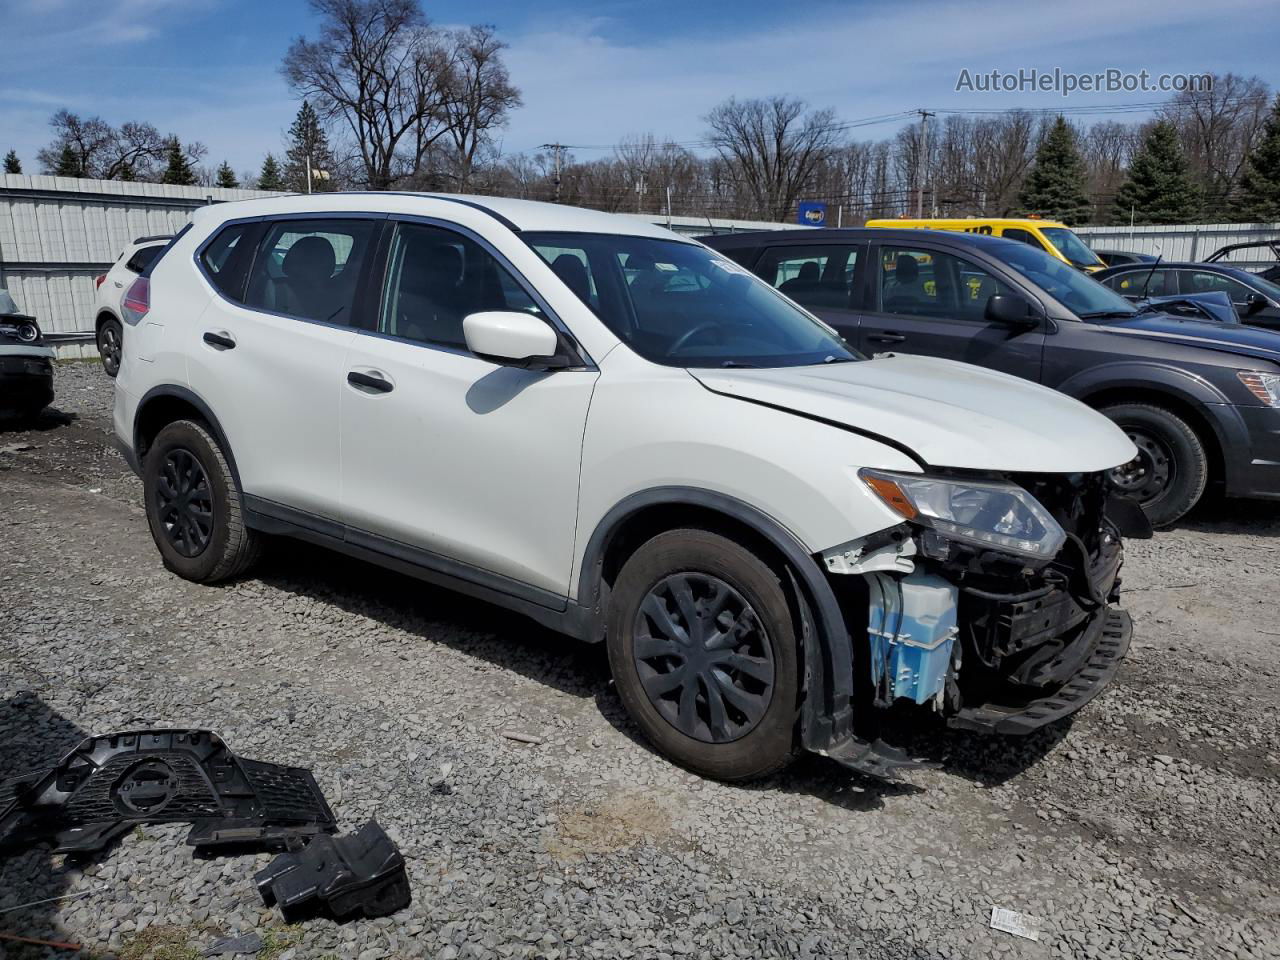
[[472, 462], [928, 301]]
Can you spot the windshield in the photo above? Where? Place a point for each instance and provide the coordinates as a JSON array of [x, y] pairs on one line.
[[1082, 295], [683, 305], [1071, 246]]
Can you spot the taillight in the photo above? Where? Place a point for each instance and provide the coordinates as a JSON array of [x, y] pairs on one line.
[[137, 301], [97, 281]]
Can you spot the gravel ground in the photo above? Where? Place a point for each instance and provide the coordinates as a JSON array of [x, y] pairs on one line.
[[1147, 828]]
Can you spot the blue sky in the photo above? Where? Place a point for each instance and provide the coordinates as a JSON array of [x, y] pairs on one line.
[[592, 73]]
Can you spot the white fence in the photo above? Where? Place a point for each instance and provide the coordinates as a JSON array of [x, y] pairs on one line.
[[57, 234], [1187, 242]]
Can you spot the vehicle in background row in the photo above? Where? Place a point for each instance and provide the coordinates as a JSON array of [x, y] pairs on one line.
[[624, 435], [1271, 273], [1256, 300], [1054, 238], [26, 363], [1200, 399], [111, 287], [1118, 258]]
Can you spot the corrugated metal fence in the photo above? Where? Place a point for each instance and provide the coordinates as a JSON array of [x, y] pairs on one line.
[[1191, 242], [58, 233]]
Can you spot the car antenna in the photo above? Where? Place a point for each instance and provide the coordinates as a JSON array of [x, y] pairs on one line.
[[1151, 272]]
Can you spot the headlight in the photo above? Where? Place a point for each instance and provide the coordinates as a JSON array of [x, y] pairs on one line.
[[984, 513], [1264, 386]]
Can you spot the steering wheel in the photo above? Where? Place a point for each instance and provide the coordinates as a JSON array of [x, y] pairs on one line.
[[684, 338]]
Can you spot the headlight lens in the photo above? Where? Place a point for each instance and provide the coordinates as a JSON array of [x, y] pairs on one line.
[[1264, 386], [984, 513]]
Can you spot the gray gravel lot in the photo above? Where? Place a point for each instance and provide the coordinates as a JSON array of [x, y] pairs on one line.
[[1148, 828]]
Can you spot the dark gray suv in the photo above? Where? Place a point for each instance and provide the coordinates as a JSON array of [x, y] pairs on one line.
[[1201, 400]]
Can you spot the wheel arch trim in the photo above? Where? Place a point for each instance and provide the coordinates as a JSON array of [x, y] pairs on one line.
[[185, 394], [826, 715]]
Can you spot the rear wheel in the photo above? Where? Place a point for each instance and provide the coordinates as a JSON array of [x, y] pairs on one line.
[[110, 345], [1169, 474], [702, 644], [193, 506]]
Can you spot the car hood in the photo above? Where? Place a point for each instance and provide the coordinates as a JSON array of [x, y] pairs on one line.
[[949, 414], [1237, 338]]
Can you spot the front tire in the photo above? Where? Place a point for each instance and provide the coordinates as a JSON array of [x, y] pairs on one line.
[[111, 346], [702, 643], [1169, 474], [193, 506]]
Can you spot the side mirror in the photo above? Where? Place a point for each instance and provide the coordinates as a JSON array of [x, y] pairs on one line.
[[1254, 303], [1011, 310], [513, 339]]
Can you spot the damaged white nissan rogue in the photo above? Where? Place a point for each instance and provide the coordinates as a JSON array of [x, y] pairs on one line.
[[627, 437]]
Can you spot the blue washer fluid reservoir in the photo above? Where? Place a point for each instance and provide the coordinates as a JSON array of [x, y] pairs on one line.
[[912, 629]]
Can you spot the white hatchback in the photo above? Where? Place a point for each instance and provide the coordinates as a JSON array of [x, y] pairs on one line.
[[626, 436]]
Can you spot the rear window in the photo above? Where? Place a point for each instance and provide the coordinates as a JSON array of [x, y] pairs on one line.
[[143, 257]]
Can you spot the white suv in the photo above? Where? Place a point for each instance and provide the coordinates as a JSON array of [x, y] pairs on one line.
[[111, 286], [626, 436]]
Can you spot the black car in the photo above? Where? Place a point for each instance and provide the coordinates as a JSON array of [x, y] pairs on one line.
[[26, 363], [1200, 399], [1257, 300], [1118, 258]]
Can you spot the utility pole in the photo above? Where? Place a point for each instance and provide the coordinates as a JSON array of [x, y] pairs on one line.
[[923, 159], [668, 206], [557, 151], [641, 189]]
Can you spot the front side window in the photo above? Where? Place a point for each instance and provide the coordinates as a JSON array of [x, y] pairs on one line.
[[309, 268], [682, 305], [1071, 247], [1078, 292], [929, 283], [1022, 236], [818, 276], [437, 278], [1199, 281], [1138, 284]]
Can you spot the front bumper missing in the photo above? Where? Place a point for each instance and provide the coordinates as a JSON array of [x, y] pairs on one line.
[[1113, 629]]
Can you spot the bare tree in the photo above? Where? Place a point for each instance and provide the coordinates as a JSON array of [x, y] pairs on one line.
[[132, 151], [380, 69], [478, 95], [773, 146]]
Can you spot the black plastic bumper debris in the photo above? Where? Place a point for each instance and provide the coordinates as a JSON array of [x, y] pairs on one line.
[[345, 877], [108, 785]]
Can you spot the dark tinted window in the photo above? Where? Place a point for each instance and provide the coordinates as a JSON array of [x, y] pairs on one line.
[[1135, 283], [220, 259], [143, 257], [929, 283], [1202, 281], [815, 276], [437, 278], [309, 268]]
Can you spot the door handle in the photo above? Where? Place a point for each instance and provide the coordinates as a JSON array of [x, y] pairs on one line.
[[219, 340], [886, 337], [370, 382]]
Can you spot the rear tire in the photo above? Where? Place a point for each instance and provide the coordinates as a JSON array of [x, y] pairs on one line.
[[1169, 474], [193, 506], [720, 697], [110, 346]]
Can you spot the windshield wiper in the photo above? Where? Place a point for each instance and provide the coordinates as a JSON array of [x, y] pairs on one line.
[[737, 363], [1108, 313], [834, 359]]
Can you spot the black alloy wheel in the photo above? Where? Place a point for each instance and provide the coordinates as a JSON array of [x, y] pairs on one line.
[[184, 502], [703, 657]]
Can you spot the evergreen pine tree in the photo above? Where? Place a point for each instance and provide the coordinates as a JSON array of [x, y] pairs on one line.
[[68, 163], [1158, 188], [1055, 185], [11, 162], [307, 139], [226, 176], [178, 170], [1259, 198], [269, 178]]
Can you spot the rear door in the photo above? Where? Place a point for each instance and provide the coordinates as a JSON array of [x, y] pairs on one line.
[[821, 277], [926, 300]]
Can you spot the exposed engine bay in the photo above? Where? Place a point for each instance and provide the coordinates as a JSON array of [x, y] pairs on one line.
[[989, 638]]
